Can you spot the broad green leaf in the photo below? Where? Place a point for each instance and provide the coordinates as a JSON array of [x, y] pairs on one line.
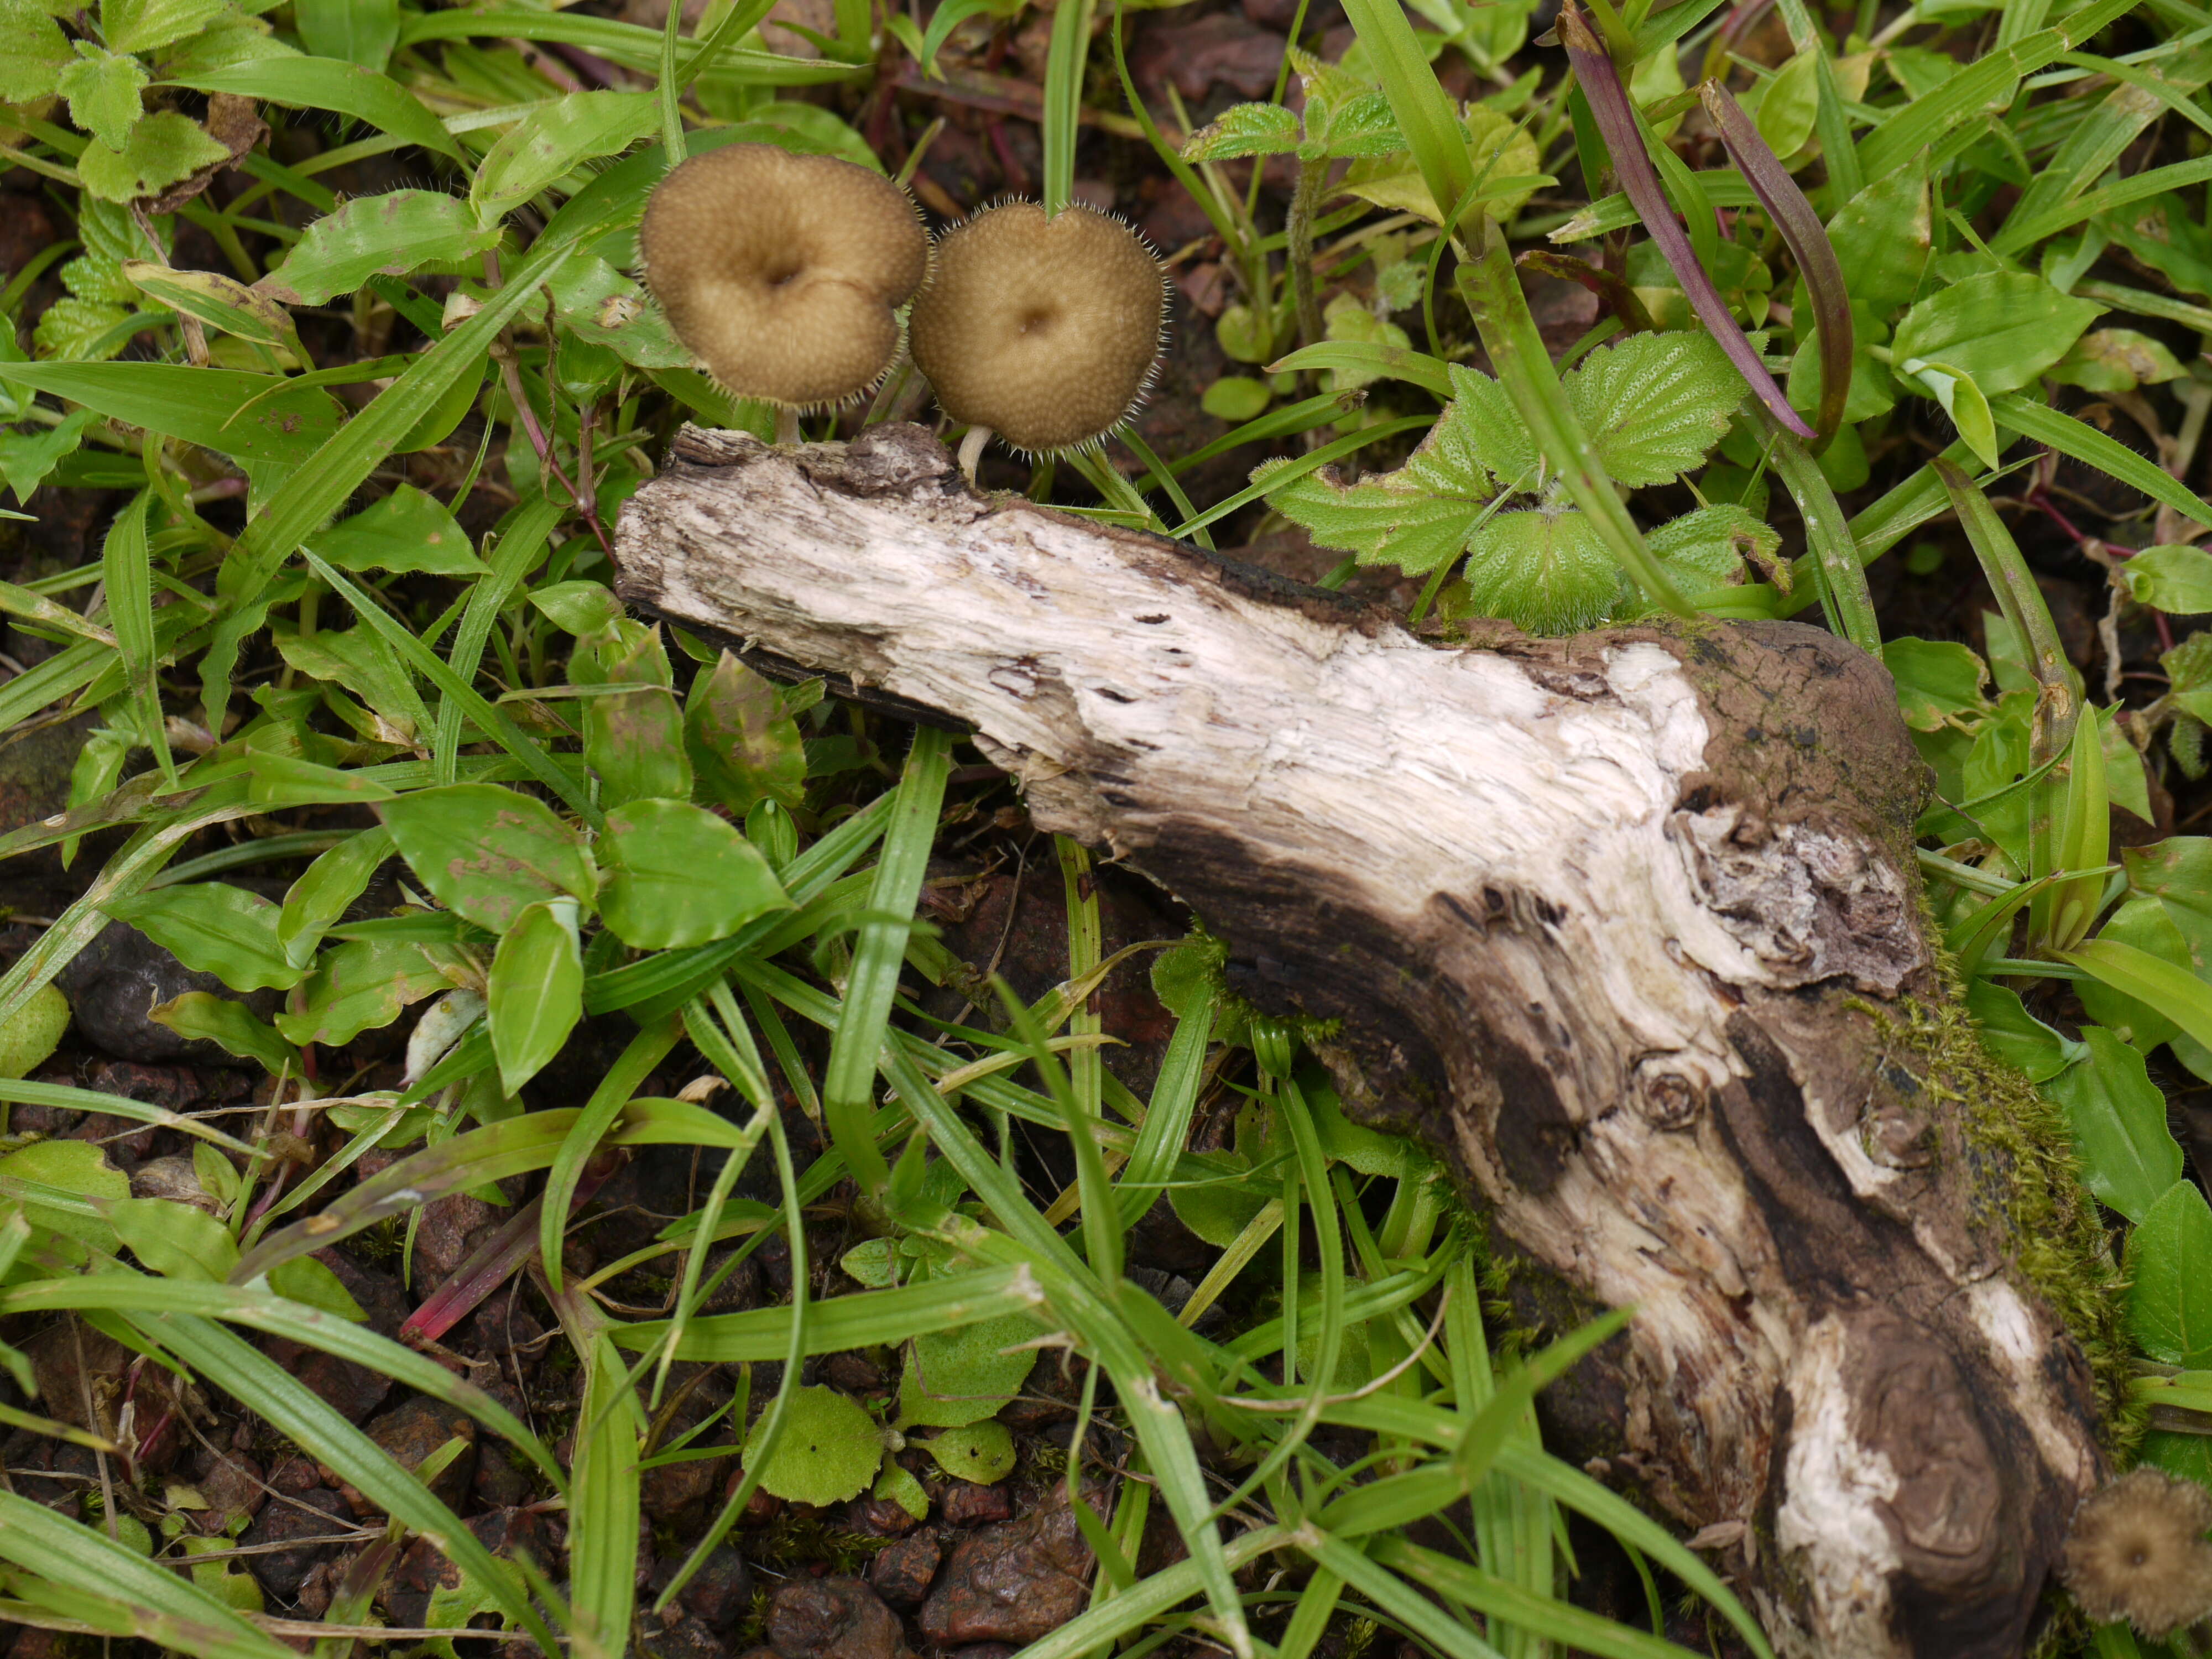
[[2173, 993], [2001, 330], [1655, 404], [677, 875], [534, 994], [174, 1239], [1936, 680], [127, 568], [304, 1279], [362, 985], [2169, 1270], [597, 303], [163, 147], [2117, 1117], [361, 32], [553, 141], [955, 1377], [580, 608], [1244, 130], [391, 234], [142, 25], [35, 1032], [2175, 579], [1962, 401], [61, 1184], [487, 852], [326, 83], [407, 532], [1788, 102], [194, 404], [33, 51], [102, 88], [635, 741], [199, 1015], [2147, 925], [2178, 871], [827, 1451], [325, 889], [981, 1452], [220, 301], [1545, 570], [212, 927], [743, 747], [2116, 360], [2016, 1036], [357, 660]]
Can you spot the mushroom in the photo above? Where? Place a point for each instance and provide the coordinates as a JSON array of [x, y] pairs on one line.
[[2137, 1552], [1044, 331], [782, 272]]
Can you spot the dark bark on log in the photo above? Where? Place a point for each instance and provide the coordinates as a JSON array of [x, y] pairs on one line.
[[1626, 924]]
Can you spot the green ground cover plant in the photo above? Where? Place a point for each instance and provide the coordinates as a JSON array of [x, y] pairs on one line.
[[338, 344]]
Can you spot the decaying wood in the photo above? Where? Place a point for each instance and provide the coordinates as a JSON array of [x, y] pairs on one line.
[[1625, 923]]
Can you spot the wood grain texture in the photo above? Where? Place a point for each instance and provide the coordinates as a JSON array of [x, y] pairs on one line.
[[1627, 924]]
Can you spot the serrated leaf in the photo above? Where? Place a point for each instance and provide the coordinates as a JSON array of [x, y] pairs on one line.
[[553, 141], [102, 88], [407, 532], [535, 994], [33, 51], [1420, 515], [677, 876], [1715, 544], [399, 232], [163, 148], [486, 853], [1655, 404], [1547, 571], [1500, 154], [1244, 130], [212, 927], [1363, 126], [143, 25]]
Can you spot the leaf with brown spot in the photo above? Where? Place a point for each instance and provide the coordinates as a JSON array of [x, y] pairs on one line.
[[487, 853]]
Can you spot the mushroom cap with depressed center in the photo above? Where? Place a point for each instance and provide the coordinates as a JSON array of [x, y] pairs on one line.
[[2137, 1551], [1046, 330], [780, 272]]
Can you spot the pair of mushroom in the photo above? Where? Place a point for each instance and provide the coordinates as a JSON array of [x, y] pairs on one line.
[[783, 273]]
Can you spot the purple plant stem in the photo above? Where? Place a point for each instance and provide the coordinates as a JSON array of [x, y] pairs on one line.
[[487, 1268], [1639, 181], [1807, 239]]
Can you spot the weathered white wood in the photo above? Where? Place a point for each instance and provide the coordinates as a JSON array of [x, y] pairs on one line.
[[1602, 918]]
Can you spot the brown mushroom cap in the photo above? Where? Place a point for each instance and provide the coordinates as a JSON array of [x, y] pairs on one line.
[[2137, 1552], [780, 272], [1044, 329]]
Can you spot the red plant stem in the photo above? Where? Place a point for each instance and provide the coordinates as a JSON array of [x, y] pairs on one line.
[[489, 1266]]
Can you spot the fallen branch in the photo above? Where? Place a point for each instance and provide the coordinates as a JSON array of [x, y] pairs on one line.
[[1626, 924]]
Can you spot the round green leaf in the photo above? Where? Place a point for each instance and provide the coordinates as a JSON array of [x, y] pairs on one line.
[[981, 1452], [677, 875], [1236, 398], [828, 1452], [953, 1378], [35, 1033]]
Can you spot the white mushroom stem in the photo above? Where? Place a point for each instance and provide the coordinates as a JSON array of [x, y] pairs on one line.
[[972, 446]]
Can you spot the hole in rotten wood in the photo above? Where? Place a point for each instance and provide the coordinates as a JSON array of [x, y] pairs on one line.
[[1112, 695], [1160, 617]]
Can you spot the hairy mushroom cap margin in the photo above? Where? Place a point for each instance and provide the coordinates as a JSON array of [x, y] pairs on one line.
[[2137, 1551], [782, 272], [1046, 332]]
